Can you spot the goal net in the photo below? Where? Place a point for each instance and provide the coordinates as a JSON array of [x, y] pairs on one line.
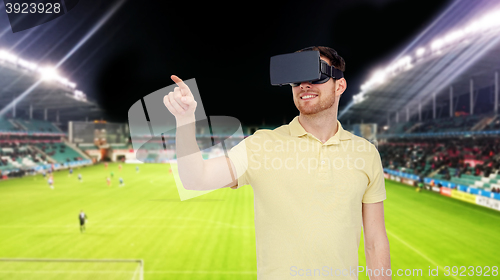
[[74, 269]]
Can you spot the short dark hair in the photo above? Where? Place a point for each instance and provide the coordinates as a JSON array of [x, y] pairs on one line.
[[335, 59]]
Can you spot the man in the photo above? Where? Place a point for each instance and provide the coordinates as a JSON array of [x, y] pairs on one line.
[[51, 182], [80, 178], [312, 194], [82, 217]]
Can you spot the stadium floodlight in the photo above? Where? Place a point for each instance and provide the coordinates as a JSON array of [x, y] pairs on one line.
[[479, 26], [62, 80], [4, 55], [490, 20], [48, 73], [65, 81], [420, 52], [437, 44], [26, 64], [404, 62], [454, 36], [391, 68], [79, 95], [472, 28], [358, 98], [70, 84], [379, 77]]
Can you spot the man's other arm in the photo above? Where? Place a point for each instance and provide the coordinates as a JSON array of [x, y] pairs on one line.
[[377, 250]]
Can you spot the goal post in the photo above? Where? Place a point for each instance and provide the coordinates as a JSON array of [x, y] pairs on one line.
[[74, 269]]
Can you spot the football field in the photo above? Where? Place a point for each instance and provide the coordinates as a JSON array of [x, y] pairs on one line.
[[211, 236]]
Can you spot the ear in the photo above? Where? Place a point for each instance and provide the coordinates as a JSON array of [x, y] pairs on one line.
[[340, 86]]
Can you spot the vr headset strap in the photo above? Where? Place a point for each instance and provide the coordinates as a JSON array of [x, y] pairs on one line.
[[331, 71]]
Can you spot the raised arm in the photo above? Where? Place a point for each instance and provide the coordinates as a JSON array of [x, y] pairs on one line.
[[195, 172]]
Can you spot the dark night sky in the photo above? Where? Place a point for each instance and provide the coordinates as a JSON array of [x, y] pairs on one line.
[[226, 47]]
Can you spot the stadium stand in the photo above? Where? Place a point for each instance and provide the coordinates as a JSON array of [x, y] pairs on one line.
[[20, 125], [85, 147], [399, 128], [59, 151], [494, 125], [462, 123], [473, 162], [120, 146], [38, 125], [7, 125], [19, 156], [33, 127]]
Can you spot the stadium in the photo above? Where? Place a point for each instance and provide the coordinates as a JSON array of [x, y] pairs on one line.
[[432, 112]]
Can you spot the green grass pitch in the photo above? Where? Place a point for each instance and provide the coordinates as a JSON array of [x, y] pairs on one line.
[[207, 237]]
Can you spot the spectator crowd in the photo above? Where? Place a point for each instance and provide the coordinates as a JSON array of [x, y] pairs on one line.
[[450, 157]]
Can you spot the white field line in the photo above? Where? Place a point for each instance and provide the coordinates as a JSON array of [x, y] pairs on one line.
[[418, 252], [128, 271], [67, 271], [122, 226], [160, 220], [199, 272]]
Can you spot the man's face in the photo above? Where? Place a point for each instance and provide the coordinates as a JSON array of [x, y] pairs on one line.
[[324, 96]]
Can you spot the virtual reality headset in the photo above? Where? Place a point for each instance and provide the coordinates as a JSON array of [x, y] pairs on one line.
[[305, 66]]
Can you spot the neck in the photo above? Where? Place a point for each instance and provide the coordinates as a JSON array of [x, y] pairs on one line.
[[322, 125]]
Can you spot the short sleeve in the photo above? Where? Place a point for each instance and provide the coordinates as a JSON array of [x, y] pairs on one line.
[[375, 192], [239, 157]]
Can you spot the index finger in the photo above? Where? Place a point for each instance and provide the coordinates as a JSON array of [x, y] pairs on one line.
[[184, 88]]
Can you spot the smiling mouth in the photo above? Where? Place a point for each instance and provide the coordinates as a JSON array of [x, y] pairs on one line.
[[308, 97]]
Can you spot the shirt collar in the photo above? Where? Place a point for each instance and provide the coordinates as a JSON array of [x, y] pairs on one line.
[[297, 130]]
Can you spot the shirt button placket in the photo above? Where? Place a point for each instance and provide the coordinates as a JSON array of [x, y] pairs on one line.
[[322, 158]]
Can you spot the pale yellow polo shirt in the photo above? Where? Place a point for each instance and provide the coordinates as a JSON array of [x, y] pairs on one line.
[[308, 198]]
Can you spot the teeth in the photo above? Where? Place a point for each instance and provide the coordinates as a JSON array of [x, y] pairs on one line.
[[308, 96]]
